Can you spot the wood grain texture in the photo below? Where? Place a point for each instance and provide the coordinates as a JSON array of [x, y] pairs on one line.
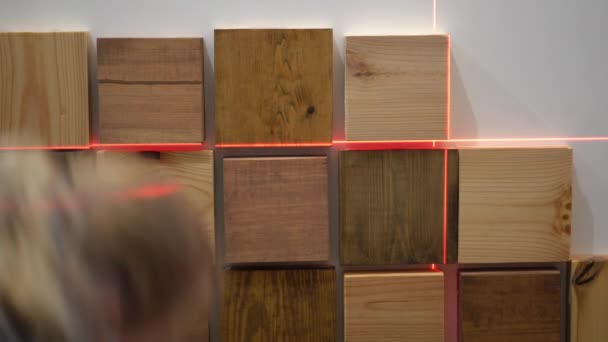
[[44, 89], [589, 300], [396, 87], [391, 205], [273, 86], [507, 306], [194, 171], [515, 205], [394, 307], [279, 306], [150, 90], [452, 206], [276, 209]]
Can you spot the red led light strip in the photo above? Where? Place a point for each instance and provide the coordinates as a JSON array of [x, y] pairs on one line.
[[252, 145], [149, 147], [43, 148]]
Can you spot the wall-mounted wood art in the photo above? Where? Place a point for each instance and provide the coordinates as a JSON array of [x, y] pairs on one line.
[[273, 86], [391, 205], [44, 89], [515, 205], [505, 306], [194, 171], [275, 209], [396, 87], [150, 90], [395, 307], [589, 300], [279, 305]]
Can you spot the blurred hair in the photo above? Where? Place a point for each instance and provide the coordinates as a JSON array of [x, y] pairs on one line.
[[72, 232]]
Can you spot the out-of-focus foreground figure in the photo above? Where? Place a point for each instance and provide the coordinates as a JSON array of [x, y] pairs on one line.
[[97, 252]]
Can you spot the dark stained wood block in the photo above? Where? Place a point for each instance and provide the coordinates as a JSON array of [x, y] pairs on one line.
[[279, 305], [44, 89], [515, 205], [589, 300], [396, 87], [505, 306], [150, 90], [391, 205], [276, 209], [273, 86], [387, 307]]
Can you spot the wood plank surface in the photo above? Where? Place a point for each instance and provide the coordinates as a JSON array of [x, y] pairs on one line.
[[394, 307], [273, 86], [44, 89], [279, 306], [589, 300], [194, 171], [452, 206], [391, 205], [150, 90], [508, 306], [276, 209], [515, 205], [396, 87]]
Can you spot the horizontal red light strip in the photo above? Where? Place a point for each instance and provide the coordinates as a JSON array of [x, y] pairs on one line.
[[43, 148], [149, 147], [273, 145]]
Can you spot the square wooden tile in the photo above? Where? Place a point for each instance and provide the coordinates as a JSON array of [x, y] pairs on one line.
[[396, 87], [276, 209], [523, 306], [279, 305], [273, 86], [44, 89], [391, 205], [387, 307], [150, 90], [194, 171], [589, 300], [515, 205]]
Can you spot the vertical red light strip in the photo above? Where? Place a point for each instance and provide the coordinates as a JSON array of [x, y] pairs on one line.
[[445, 206], [448, 90]]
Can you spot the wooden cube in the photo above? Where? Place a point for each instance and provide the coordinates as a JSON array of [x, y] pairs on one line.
[[273, 86], [523, 306], [392, 206], [515, 205], [276, 209], [279, 305], [150, 90], [386, 307], [44, 89], [396, 87], [589, 300]]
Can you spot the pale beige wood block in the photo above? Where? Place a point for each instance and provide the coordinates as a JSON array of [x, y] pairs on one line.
[[387, 307], [589, 300], [515, 205], [396, 87]]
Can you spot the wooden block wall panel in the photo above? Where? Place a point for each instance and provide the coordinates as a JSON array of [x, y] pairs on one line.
[[194, 170], [515, 205], [505, 306], [391, 205], [150, 90], [44, 89], [279, 305], [589, 300], [273, 86], [275, 209], [387, 307], [396, 87]]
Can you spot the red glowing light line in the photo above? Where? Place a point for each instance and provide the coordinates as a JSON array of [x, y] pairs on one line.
[[445, 206], [449, 90], [43, 148], [433, 267], [433, 141], [150, 147], [249, 145]]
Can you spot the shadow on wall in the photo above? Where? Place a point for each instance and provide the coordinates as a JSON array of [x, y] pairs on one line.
[[339, 102]]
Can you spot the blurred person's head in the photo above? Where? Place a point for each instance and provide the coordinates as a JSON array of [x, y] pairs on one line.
[[91, 251]]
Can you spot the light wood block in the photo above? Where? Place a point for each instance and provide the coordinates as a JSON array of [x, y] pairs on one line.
[[44, 89], [276, 209], [589, 300], [150, 90], [515, 205], [387, 307], [273, 86], [505, 306], [391, 205], [194, 171], [396, 87], [279, 305]]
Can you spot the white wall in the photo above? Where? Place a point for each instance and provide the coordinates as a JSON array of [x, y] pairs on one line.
[[520, 68]]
